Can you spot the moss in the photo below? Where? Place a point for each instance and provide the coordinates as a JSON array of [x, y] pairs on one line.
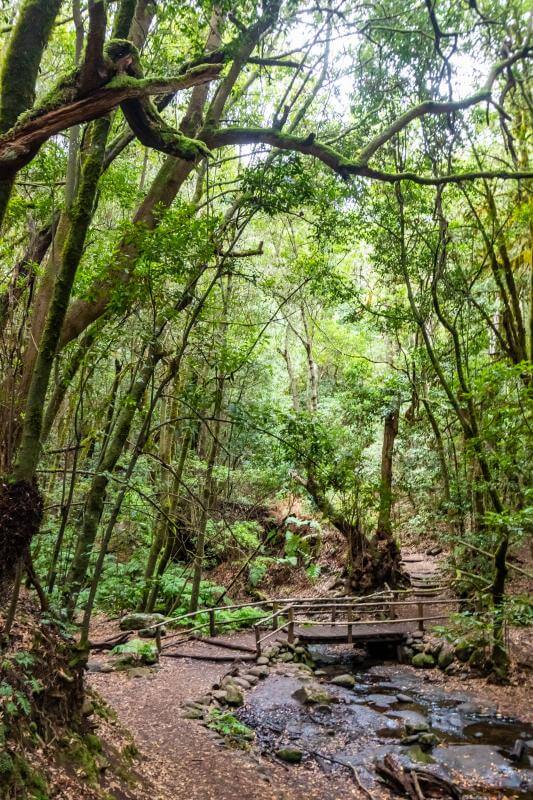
[[93, 743], [22, 58], [17, 776]]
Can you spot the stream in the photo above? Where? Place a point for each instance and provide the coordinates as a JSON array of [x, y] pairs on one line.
[[363, 723]]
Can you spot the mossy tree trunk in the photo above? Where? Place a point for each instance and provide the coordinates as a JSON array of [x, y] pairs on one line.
[[20, 501], [20, 68]]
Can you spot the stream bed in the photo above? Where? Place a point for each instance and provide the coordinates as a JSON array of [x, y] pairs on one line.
[[368, 721]]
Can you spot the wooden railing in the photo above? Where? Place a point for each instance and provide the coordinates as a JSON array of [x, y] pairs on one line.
[[284, 612]]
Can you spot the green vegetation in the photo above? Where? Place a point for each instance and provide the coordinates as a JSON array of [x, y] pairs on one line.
[[264, 331]]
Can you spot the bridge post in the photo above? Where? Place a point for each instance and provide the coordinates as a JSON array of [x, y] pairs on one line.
[[257, 640], [333, 613], [290, 628], [275, 609], [350, 628], [212, 627], [420, 607]]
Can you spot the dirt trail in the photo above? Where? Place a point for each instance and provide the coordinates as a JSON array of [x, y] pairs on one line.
[[184, 760]]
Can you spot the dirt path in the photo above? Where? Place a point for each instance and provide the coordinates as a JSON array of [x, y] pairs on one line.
[[183, 760]]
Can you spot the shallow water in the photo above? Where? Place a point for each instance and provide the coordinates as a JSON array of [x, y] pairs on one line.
[[368, 722]]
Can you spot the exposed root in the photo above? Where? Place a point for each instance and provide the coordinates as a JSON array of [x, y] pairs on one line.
[[21, 511]]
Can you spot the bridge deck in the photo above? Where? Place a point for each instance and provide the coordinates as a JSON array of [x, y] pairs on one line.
[[338, 634]]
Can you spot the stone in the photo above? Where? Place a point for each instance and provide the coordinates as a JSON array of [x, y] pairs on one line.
[[228, 680], [446, 655], [242, 683], [193, 713], [434, 551], [417, 634], [428, 740], [322, 708], [292, 755], [87, 708], [344, 680], [137, 621], [219, 694], [477, 659], [412, 728], [271, 652], [285, 657], [262, 661], [253, 680], [234, 696], [463, 649], [404, 698], [139, 672], [151, 633], [311, 695], [259, 672], [423, 661], [107, 668]]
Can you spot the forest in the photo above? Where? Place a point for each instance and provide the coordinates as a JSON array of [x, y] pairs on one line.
[[266, 340]]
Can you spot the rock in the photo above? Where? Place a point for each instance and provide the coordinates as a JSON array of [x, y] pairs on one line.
[[423, 661], [428, 740], [234, 696], [344, 680], [242, 683], [322, 708], [87, 708], [331, 732], [300, 650], [434, 551], [417, 634], [314, 694], [193, 713], [262, 661], [271, 652], [412, 728], [406, 654], [404, 698], [139, 672], [151, 633], [219, 694], [463, 649], [135, 622], [292, 755], [285, 657], [446, 655], [107, 668], [204, 701], [259, 672], [253, 680], [320, 672], [228, 680], [477, 659], [418, 647]]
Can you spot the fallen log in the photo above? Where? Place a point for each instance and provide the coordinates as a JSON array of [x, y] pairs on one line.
[[224, 644], [197, 657], [109, 644]]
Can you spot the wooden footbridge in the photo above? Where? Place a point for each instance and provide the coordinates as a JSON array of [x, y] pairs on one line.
[[384, 617]]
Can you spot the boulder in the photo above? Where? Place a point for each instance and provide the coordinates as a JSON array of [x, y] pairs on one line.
[[292, 755], [137, 621], [242, 683], [151, 633], [259, 672], [314, 694], [477, 658], [446, 655], [463, 649], [412, 728], [253, 680], [284, 657], [193, 713], [404, 698], [423, 661], [262, 661], [234, 696], [344, 680]]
